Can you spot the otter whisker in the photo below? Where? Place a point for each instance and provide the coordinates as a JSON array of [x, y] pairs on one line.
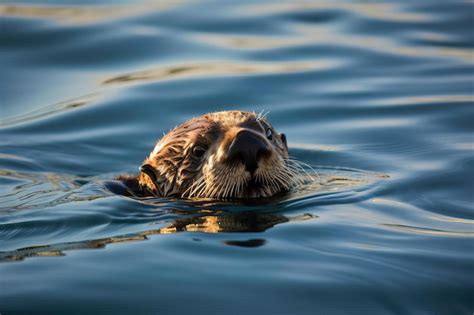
[[310, 167], [301, 165], [231, 188], [290, 176], [280, 179], [219, 180], [235, 189], [260, 116], [272, 183], [195, 186], [293, 176], [241, 188], [235, 184], [218, 185], [223, 192], [190, 188], [198, 187], [228, 187], [298, 169], [284, 181], [199, 192]]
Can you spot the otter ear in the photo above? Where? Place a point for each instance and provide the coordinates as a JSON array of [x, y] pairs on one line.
[[162, 185], [149, 170], [283, 139]]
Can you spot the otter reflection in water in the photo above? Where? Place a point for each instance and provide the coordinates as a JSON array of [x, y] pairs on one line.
[[213, 222]]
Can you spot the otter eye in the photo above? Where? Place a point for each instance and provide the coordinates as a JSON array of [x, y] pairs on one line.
[[199, 150], [269, 134]]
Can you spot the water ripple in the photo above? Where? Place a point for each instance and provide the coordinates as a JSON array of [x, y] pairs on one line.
[[84, 14], [218, 69], [382, 91], [428, 231], [378, 11], [46, 111]]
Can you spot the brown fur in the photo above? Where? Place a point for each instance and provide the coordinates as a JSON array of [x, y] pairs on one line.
[[179, 171]]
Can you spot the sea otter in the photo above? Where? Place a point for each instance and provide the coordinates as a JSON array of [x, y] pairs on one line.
[[220, 155]]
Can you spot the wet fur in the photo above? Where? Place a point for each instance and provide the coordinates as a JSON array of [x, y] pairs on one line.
[[178, 172]]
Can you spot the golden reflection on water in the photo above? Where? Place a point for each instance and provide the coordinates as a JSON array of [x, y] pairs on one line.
[[319, 147], [453, 220], [462, 146], [229, 223], [46, 111], [389, 202], [420, 100], [323, 35], [216, 69], [365, 123], [379, 11], [84, 14], [248, 41], [432, 232]]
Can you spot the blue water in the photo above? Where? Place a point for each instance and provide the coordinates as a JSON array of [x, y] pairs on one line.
[[377, 97]]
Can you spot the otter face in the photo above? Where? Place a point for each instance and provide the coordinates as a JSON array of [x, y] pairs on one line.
[[222, 155]]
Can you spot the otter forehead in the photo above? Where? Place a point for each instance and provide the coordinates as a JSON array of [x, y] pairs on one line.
[[206, 128], [227, 119], [190, 132]]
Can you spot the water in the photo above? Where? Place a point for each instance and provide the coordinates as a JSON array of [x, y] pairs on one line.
[[376, 96]]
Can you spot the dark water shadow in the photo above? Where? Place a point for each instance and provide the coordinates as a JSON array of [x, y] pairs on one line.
[[213, 222]]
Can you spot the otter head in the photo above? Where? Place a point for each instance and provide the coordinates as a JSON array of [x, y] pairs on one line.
[[222, 155]]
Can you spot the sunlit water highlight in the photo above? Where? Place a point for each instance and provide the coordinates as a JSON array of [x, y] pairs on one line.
[[376, 97]]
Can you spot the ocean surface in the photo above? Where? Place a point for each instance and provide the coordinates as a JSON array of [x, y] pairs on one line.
[[377, 97]]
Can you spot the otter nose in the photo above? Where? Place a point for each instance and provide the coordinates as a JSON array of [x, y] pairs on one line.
[[248, 148]]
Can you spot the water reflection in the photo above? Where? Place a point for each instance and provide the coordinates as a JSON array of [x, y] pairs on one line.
[[45, 111], [384, 45], [379, 11], [216, 222], [431, 232], [376, 86], [421, 100], [36, 190], [83, 14], [213, 69], [322, 36]]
